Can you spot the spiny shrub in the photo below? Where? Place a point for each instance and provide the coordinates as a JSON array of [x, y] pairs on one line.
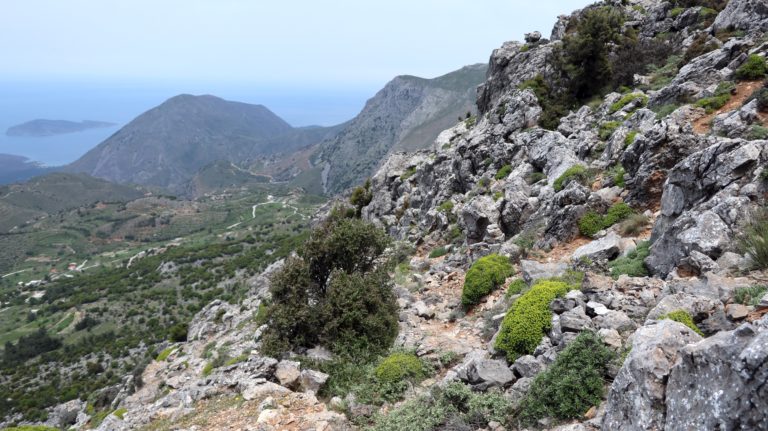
[[753, 69], [528, 319], [630, 138], [617, 175], [576, 173], [634, 224], [626, 100], [754, 239], [408, 173], [485, 275], [438, 252], [632, 264], [750, 295], [683, 317], [591, 222], [571, 385], [607, 129], [399, 366], [503, 172]]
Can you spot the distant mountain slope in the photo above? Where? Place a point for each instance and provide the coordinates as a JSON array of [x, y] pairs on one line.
[[19, 168], [168, 144], [406, 115], [56, 192], [41, 127]]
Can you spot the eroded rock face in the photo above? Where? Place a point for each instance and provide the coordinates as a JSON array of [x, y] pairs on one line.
[[637, 395], [748, 15], [719, 383]]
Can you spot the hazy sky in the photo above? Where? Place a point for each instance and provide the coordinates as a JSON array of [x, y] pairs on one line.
[[289, 42]]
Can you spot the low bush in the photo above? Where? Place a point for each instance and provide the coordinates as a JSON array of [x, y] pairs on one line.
[[749, 295], [485, 275], [571, 385], [761, 94], [626, 100], [528, 319], [592, 223], [722, 95], [454, 407], [438, 252], [664, 110], [753, 69], [607, 129], [445, 207], [630, 138], [535, 177], [754, 239], [503, 172], [617, 175], [576, 173], [632, 264], [517, 286], [361, 197], [408, 173], [683, 317], [165, 353], [633, 225], [399, 366]]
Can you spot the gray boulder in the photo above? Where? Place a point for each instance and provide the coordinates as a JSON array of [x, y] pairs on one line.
[[532, 270], [719, 383], [486, 373], [575, 320], [637, 395], [288, 373], [605, 248], [312, 381], [748, 15]]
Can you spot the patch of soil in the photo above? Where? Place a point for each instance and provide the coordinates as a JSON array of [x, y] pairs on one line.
[[745, 89]]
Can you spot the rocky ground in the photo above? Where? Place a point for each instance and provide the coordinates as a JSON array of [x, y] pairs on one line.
[[695, 177]]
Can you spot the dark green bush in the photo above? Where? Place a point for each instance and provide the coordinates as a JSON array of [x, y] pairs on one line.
[[399, 366], [485, 275], [683, 317], [528, 319], [632, 264], [576, 173], [571, 385], [554, 106], [617, 175], [535, 177], [516, 286], [438, 252], [361, 197], [630, 138], [753, 69], [607, 129], [503, 172], [333, 293], [591, 222]]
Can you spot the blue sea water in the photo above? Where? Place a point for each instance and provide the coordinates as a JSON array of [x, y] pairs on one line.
[[120, 102]]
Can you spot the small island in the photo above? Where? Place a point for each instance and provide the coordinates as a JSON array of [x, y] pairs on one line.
[[41, 127]]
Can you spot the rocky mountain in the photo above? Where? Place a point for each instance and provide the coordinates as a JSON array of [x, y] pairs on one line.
[[41, 127], [52, 193], [584, 254], [406, 115], [168, 144]]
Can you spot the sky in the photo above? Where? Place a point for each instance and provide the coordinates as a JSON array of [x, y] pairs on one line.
[[287, 43]]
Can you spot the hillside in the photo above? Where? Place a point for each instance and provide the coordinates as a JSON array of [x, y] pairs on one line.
[[406, 115], [588, 252], [17, 168], [168, 144], [49, 194]]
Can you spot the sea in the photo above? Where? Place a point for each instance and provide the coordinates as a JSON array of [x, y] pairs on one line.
[[120, 102]]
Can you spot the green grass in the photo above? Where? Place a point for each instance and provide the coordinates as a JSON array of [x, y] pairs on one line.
[[165, 353], [626, 100], [576, 173], [683, 317]]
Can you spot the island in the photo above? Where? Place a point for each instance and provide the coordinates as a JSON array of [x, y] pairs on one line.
[[41, 127]]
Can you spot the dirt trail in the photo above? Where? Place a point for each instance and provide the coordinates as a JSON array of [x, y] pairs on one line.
[[702, 125]]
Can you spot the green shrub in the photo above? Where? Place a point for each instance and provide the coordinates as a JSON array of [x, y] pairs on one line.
[[753, 69], [683, 317], [446, 207], [120, 413], [617, 175], [236, 360], [517, 286], [626, 100], [498, 195], [528, 319], [485, 275], [749, 295], [664, 110], [178, 333], [553, 105], [723, 94], [675, 12], [470, 122], [208, 369], [535, 177], [576, 173], [754, 239], [503, 172], [361, 197], [438, 252], [630, 138], [607, 129], [455, 407], [592, 223], [408, 173], [399, 366], [700, 46], [571, 385], [165, 353], [632, 264]]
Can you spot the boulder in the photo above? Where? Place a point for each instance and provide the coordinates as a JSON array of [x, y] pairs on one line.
[[736, 311], [719, 383], [312, 381], [532, 270], [616, 320], [288, 373], [637, 395], [603, 249], [747, 15], [527, 366], [575, 320], [486, 373], [596, 309], [699, 307]]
